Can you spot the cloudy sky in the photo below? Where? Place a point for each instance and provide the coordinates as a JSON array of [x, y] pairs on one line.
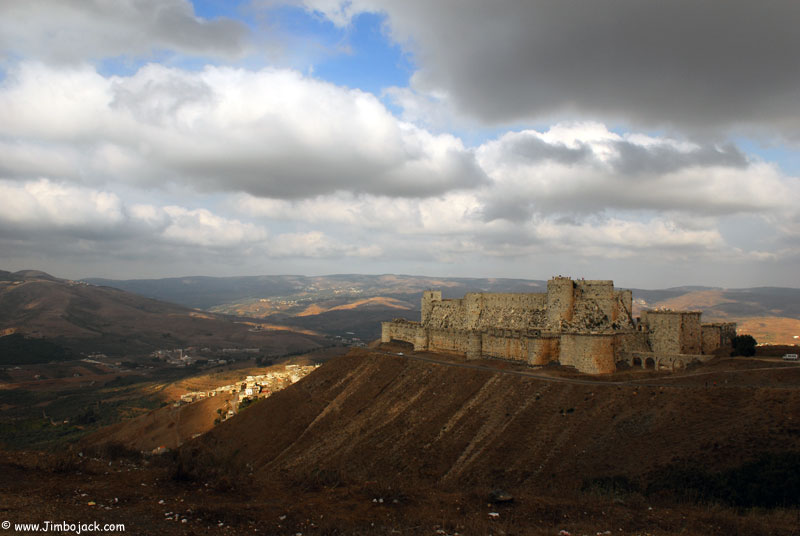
[[653, 143]]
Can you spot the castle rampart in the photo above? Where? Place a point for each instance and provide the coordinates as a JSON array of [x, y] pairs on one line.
[[580, 323]]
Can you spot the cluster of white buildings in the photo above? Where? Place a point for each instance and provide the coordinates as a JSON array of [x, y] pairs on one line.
[[257, 386]]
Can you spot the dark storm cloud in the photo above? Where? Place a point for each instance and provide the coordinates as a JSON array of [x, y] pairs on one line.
[[702, 65], [535, 149], [636, 159]]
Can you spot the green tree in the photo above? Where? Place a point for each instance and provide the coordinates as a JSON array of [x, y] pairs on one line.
[[744, 345]]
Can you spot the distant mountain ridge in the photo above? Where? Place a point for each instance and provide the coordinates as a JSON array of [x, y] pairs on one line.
[[772, 314], [87, 317], [206, 292]]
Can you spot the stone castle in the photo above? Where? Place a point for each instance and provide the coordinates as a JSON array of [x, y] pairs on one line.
[[584, 324]]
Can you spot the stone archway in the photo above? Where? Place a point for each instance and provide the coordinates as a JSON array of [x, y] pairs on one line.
[[637, 362], [650, 363]]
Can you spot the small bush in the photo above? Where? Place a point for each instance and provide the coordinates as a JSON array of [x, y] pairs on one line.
[[64, 462], [119, 451], [744, 345], [211, 465], [769, 481], [616, 485]]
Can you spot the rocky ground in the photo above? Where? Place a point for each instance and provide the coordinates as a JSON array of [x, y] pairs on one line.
[[148, 500]]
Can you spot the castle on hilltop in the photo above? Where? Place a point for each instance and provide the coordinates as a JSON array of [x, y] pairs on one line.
[[584, 324]]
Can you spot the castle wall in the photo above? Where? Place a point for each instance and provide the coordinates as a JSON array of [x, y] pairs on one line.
[[448, 340], [674, 332], [717, 335], [599, 294], [631, 341], [623, 307], [692, 340], [543, 350], [447, 314], [589, 353], [401, 330], [663, 361], [505, 344], [506, 311], [560, 301], [711, 337]]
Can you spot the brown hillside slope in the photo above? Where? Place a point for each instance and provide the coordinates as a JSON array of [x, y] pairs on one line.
[[375, 301], [697, 300], [368, 416], [93, 318], [169, 426], [770, 329]]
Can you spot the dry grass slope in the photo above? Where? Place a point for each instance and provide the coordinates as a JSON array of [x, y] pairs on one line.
[[372, 417]]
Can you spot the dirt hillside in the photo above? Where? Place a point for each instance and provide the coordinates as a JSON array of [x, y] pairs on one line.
[[167, 427], [370, 416], [90, 318]]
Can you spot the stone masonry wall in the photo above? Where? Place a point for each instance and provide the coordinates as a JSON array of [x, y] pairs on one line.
[[485, 311], [448, 340], [674, 332], [560, 302], [692, 339], [400, 330], [505, 345], [600, 294], [623, 311], [591, 353], [632, 341], [717, 335], [544, 349]]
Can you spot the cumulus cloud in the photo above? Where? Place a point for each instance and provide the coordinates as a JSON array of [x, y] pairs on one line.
[[47, 207], [72, 31], [317, 244], [704, 66], [272, 133], [268, 168], [585, 168], [577, 190]]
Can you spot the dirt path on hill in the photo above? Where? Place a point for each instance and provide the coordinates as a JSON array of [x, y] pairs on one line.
[[645, 382]]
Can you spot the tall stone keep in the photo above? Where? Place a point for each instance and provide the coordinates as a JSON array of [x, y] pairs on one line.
[[560, 301]]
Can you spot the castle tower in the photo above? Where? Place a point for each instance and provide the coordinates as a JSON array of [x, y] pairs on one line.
[[560, 301], [674, 332], [473, 304], [599, 293], [421, 339], [624, 307], [428, 297]]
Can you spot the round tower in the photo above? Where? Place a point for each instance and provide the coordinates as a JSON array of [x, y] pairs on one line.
[[560, 301]]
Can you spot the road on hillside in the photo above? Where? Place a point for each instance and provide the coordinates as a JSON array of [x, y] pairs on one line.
[[667, 381]]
